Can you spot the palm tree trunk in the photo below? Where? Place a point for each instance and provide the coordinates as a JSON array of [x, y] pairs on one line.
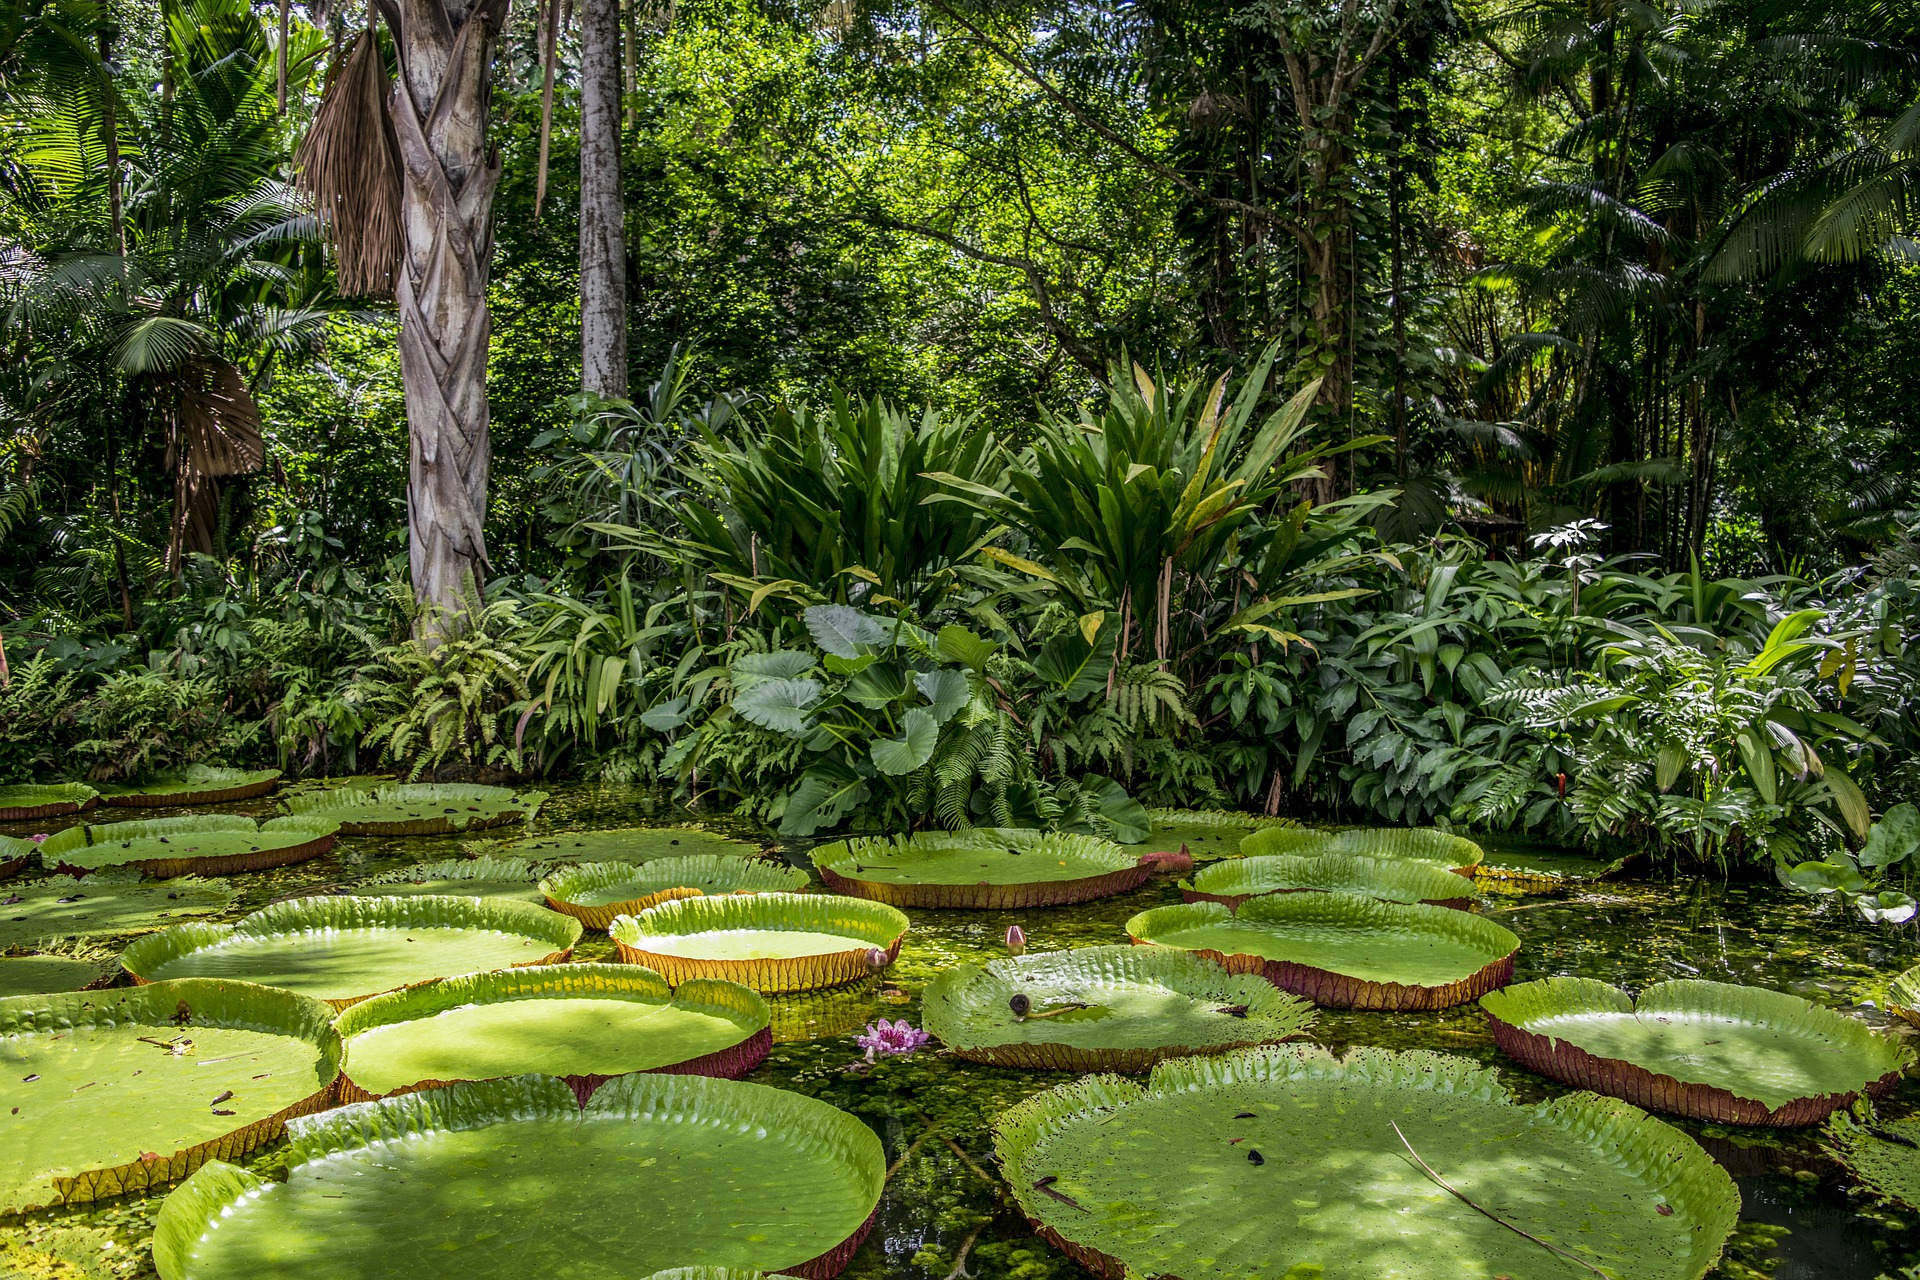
[[603, 252], [439, 109]]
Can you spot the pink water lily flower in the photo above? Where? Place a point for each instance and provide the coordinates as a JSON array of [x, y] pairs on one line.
[[889, 1039]]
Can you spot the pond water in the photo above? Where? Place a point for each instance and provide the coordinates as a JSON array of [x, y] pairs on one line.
[[944, 1215]]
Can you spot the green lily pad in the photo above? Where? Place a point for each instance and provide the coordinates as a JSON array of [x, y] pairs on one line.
[[26, 802], [986, 868], [43, 975], [594, 893], [1206, 834], [767, 941], [508, 1179], [105, 904], [1883, 1154], [585, 1023], [16, 855], [114, 1091], [418, 808], [1709, 1050], [343, 949], [514, 878], [1288, 1162], [1343, 951], [1104, 1009], [799, 1016], [1903, 996], [633, 844], [197, 844], [196, 784], [1422, 844], [1508, 871], [1389, 879]]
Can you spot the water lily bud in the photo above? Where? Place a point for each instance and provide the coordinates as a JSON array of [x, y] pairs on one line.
[[876, 959], [1016, 940]]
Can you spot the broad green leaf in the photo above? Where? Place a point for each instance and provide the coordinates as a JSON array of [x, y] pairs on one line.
[[1130, 819], [919, 732], [1757, 756], [1024, 565], [667, 716], [780, 705], [1894, 839], [1824, 877], [1668, 764], [878, 685], [841, 629], [1074, 667], [957, 644], [946, 692], [849, 666], [820, 799], [776, 664], [1848, 799]]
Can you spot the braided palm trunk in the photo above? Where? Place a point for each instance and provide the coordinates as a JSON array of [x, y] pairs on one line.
[[439, 108]]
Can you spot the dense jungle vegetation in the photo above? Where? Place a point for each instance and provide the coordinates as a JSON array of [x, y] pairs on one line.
[[1494, 413]]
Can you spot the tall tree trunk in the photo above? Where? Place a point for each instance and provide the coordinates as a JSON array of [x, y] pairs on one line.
[[603, 210], [440, 110]]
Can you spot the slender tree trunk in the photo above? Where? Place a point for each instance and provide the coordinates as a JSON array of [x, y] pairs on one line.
[[440, 109], [603, 210]]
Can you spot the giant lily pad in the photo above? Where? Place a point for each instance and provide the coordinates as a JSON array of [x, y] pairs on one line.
[[1104, 1009], [198, 844], [1422, 844], [418, 808], [633, 844], [514, 878], [196, 784], [113, 1091], [594, 893], [1288, 1162], [585, 1023], [1903, 995], [1206, 834], [1235, 880], [1343, 951], [15, 854], [105, 904], [507, 1179], [1709, 1050], [344, 949], [43, 975], [831, 1011], [767, 941], [45, 800], [1883, 1154], [990, 868]]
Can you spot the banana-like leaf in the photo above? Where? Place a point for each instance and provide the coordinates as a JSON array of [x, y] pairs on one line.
[[768, 941], [418, 808], [779, 705], [957, 644], [985, 868], [193, 844], [1074, 666]]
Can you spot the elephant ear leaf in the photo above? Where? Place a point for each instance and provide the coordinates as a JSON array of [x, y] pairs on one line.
[[957, 644], [946, 692], [914, 746], [841, 629], [780, 705], [777, 664], [1075, 665], [877, 685], [1894, 839], [822, 798]]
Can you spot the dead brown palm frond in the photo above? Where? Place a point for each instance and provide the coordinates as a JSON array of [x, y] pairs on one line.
[[216, 433], [349, 163]]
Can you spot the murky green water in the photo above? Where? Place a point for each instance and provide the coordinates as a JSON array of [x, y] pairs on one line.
[[944, 1216]]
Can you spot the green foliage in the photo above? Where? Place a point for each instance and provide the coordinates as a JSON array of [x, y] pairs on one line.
[[455, 701]]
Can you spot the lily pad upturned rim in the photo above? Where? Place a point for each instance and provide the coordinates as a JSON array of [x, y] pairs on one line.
[[1232, 881], [341, 803], [1333, 990], [24, 802], [218, 1002], [196, 784], [671, 877], [1511, 1011], [1688, 1177], [338, 911], [586, 980], [1270, 1016], [504, 870], [304, 838], [1118, 870], [880, 926], [1421, 844], [218, 1186], [15, 855]]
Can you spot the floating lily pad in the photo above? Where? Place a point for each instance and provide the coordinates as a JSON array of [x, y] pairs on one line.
[[514, 878], [1289, 1162], [1235, 880], [344, 949], [988, 868], [594, 893], [45, 800], [799, 1016], [418, 808], [196, 784], [633, 844], [105, 904], [767, 941], [197, 844], [1422, 844], [1343, 951], [508, 1179], [585, 1023], [1104, 1009], [113, 1091], [1206, 834], [1883, 1154], [1507, 871], [1709, 1050], [15, 855], [1903, 995], [43, 975]]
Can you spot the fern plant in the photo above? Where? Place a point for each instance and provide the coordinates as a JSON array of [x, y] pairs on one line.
[[454, 700]]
